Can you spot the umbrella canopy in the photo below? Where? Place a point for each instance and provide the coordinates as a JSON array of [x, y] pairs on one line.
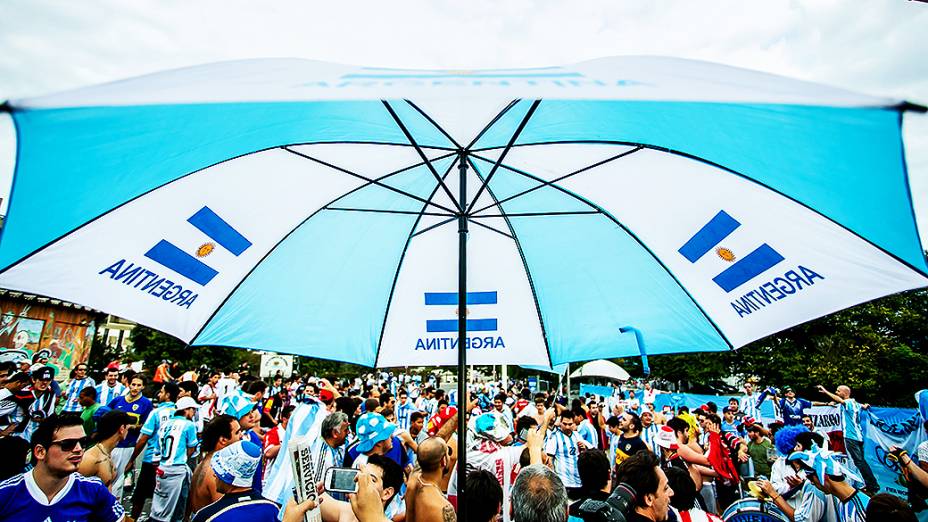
[[601, 368], [318, 209]]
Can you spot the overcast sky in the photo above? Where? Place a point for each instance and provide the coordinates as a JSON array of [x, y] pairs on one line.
[[876, 47]]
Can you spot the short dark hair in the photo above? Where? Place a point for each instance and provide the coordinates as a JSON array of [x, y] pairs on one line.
[[684, 489], [500, 397], [567, 414], [678, 425], [612, 422], [640, 472], [89, 391], [392, 473], [219, 426], [189, 387], [110, 423], [482, 485], [593, 467], [415, 416], [44, 435], [525, 422], [138, 376], [884, 506], [809, 440], [172, 390], [714, 419], [287, 411], [636, 420], [254, 387], [371, 404], [386, 412], [385, 398]]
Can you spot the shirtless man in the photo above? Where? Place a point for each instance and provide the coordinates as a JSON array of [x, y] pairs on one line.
[[97, 461], [425, 501], [218, 433]]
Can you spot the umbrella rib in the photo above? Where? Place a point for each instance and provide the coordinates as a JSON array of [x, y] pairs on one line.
[[412, 140], [386, 211], [502, 156], [488, 227], [538, 214], [371, 180], [555, 180], [528, 273], [599, 210], [433, 227], [491, 124], [399, 265], [271, 251], [433, 122]]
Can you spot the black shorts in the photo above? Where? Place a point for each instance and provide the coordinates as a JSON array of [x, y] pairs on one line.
[[144, 484]]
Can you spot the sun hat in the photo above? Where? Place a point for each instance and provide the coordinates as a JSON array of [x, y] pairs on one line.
[[237, 404], [666, 438], [236, 463], [493, 426], [373, 428], [186, 402]]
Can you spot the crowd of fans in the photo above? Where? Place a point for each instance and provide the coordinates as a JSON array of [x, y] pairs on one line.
[[213, 445]]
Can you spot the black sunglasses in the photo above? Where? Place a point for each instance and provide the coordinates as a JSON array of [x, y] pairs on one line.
[[70, 444]]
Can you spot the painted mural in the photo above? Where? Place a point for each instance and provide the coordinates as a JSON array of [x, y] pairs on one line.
[[66, 332]]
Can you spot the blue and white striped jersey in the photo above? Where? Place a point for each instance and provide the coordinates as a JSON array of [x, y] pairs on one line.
[[565, 449], [855, 509], [403, 411], [159, 417], [588, 432], [176, 435], [105, 393], [73, 391], [649, 437], [750, 406], [850, 418]]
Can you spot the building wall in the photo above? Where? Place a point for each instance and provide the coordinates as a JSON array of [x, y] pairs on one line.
[[29, 324]]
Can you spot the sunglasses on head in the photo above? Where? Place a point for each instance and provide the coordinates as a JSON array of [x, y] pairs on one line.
[[70, 444]]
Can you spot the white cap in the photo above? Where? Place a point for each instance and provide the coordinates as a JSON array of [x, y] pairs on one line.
[[186, 402]]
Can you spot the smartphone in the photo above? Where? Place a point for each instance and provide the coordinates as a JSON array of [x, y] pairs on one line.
[[341, 480]]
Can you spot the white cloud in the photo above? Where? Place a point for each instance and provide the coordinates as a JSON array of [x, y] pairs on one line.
[[875, 47]]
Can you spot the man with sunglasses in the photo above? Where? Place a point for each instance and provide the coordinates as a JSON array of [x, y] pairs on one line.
[[53, 490], [71, 394]]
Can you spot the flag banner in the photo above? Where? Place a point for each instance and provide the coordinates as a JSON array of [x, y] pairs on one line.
[[595, 389], [886, 427]]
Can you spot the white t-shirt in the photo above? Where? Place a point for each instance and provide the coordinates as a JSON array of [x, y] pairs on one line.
[[501, 461]]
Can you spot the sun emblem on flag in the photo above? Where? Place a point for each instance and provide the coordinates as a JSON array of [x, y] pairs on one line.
[[725, 254], [205, 249]]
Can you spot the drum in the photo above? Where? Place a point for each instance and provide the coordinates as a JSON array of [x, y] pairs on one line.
[[753, 510]]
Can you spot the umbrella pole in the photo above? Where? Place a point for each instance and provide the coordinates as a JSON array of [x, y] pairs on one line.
[[462, 339]]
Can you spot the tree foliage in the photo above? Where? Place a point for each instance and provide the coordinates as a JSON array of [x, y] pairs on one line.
[[879, 349], [152, 346]]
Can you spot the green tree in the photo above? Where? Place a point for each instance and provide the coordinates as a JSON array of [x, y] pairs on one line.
[[152, 346], [879, 349]]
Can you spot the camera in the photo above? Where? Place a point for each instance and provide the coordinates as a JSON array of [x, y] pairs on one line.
[[615, 509]]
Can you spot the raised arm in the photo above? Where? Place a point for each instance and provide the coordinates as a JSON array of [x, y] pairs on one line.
[[832, 396]]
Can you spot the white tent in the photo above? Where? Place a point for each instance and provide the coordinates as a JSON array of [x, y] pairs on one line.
[[601, 368]]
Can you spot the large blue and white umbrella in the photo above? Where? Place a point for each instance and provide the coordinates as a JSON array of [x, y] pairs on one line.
[[315, 209]]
